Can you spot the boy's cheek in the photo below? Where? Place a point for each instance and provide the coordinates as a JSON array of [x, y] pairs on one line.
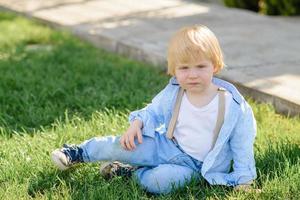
[[180, 78], [181, 83]]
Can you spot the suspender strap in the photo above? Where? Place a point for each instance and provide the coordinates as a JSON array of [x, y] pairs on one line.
[[221, 114], [175, 114], [220, 118]]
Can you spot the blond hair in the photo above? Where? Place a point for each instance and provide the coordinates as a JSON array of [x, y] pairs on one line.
[[191, 43]]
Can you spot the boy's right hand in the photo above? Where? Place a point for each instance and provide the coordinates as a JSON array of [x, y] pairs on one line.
[[127, 139]]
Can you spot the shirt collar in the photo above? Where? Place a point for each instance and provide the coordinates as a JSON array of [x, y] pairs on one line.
[[236, 95]]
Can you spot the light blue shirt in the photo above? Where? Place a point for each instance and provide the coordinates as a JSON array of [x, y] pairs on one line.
[[234, 143]]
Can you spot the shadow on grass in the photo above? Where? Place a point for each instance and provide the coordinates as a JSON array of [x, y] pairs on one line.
[[200, 189], [44, 181], [42, 78], [87, 184], [276, 159], [82, 184]]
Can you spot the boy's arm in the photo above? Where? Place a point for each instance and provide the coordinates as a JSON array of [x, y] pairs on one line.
[[242, 147], [152, 115]]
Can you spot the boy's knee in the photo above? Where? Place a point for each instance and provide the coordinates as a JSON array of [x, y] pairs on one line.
[[153, 185], [155, 182]]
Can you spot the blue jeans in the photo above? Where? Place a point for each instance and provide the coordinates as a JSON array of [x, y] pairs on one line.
[[163, 164]]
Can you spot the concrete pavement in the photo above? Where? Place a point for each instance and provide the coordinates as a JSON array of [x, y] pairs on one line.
[[261, 52]]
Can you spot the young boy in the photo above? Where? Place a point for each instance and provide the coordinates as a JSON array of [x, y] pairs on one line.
[[197, 125]]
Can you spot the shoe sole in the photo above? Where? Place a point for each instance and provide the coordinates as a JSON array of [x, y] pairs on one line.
[[105, 169], [57, 157]]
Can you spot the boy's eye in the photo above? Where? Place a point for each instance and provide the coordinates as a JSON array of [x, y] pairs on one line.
[[200, 66], [183, 67]]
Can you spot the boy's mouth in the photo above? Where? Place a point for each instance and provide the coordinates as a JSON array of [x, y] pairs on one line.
[[193, 83]]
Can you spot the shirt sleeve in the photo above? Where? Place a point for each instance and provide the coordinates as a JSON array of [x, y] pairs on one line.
[[151, 115], [242, 147]]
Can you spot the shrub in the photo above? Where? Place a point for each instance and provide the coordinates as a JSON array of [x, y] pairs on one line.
[[245, 4], [269, 7], [280, 7]]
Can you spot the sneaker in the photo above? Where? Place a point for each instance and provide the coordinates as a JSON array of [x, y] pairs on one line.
[[112, 169], [67, 156]]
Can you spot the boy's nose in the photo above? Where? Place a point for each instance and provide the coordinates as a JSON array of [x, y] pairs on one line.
[[193, 72]]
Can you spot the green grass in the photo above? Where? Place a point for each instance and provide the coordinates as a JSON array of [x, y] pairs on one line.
[[56, 89]]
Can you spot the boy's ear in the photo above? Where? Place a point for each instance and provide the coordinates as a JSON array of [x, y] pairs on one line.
[[215, 70]]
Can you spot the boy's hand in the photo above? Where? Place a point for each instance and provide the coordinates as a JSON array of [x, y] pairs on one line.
[[127, 139]]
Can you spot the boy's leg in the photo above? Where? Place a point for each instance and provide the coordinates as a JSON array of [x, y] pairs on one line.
[[109, 149], [152, 152], [163, 178]]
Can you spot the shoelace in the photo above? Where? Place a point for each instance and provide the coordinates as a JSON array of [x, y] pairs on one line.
[[73, 152]]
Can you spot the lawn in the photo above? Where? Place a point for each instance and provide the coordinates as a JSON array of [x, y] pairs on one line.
[[56, 89]]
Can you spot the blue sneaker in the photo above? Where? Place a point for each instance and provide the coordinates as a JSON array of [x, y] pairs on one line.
[[67, 156]]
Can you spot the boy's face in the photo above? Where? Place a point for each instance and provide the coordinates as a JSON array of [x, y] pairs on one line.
[[195, 77]]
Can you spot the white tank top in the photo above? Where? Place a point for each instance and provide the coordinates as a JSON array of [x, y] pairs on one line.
[[195, 126]]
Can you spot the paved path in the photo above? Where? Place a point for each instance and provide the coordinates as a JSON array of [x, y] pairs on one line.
[[262, 53]]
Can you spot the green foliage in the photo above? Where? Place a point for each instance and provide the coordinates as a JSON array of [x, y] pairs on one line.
[[245, 4], [269, 7], [61, 90], [280, 7]]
